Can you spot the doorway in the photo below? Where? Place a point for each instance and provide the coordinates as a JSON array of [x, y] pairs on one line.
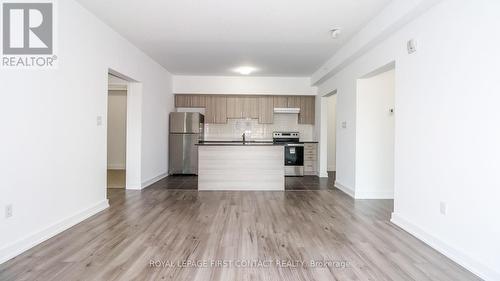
[[124, 132], [330, 101], [116, 132], [375, 115]]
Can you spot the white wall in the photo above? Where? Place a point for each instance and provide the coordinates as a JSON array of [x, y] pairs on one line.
[[375, 137], [332, 132], [117, 129], [116, 83], [390, 19], [242, 85], [446, 130], [53, 164]]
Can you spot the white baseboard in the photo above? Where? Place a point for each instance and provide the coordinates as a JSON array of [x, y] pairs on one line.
[[323, 174], [347, 190], [153, 180], [116, 167], [133, 187], [374, 195], [10, 251], [451, 252]]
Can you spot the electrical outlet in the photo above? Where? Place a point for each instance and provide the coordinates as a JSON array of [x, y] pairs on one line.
[[344, 124], [443, 208], [8, 211]]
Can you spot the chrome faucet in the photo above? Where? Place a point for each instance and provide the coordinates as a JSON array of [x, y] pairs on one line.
[[243, 136]]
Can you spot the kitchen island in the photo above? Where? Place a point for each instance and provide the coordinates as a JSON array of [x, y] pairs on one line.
[[240, 166]]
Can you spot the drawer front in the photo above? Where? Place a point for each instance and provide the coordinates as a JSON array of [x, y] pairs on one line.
[[310, 146], [310, 157], [310, 166], [310, 152], [309, 170]]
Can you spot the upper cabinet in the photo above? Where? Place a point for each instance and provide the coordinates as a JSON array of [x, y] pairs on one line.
[[242, 107], [215, 110], [234, 107], [306, 105], [307, 109], [293, 101], [218, 108], [266, 109], [250, 107], [189, 100], [280, 101]]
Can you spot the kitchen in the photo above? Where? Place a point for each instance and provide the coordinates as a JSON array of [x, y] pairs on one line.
[[242, 142], [251, 140]]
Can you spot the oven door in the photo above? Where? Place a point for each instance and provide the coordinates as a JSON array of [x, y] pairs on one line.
[[294, 160]]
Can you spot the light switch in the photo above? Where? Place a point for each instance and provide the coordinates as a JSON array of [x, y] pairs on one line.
[[99, 120], [443, 208], [8, 211]]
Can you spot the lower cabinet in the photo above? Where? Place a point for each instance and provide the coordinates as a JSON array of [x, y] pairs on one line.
[[310, 159]]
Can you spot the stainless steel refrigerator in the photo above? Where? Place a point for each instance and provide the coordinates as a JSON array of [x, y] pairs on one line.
[[186, 129]]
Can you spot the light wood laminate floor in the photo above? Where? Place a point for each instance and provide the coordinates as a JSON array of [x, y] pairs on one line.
[[355, 238]]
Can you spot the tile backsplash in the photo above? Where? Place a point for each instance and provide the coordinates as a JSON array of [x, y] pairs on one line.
[[234, 128]]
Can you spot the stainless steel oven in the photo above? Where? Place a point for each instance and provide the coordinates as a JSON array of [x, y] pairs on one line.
[[294, 152]]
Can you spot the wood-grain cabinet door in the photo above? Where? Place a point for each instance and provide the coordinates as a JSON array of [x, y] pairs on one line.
[[215, 110], [181, 100], [235, 107], [220, 110], [294, 101], [280, 101], [242, 107], [186, 100], [197, 101], [250, 107], [307, 110], [209, 110], [266, 109]]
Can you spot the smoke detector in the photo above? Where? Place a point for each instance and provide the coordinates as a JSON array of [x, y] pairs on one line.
[[335, 32]]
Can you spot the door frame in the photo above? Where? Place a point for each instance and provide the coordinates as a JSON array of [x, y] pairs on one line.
[[133, 154]]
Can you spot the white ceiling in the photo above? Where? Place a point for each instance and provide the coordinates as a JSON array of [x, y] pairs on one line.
[[211, 37]]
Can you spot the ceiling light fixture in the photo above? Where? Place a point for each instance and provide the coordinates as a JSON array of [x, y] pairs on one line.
[[335, 32], [245, 70]]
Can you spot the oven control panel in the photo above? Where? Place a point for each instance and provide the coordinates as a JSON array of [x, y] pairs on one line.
[[278, 135]]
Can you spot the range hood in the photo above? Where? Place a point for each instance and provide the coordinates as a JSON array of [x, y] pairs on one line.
[[288, 110]]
